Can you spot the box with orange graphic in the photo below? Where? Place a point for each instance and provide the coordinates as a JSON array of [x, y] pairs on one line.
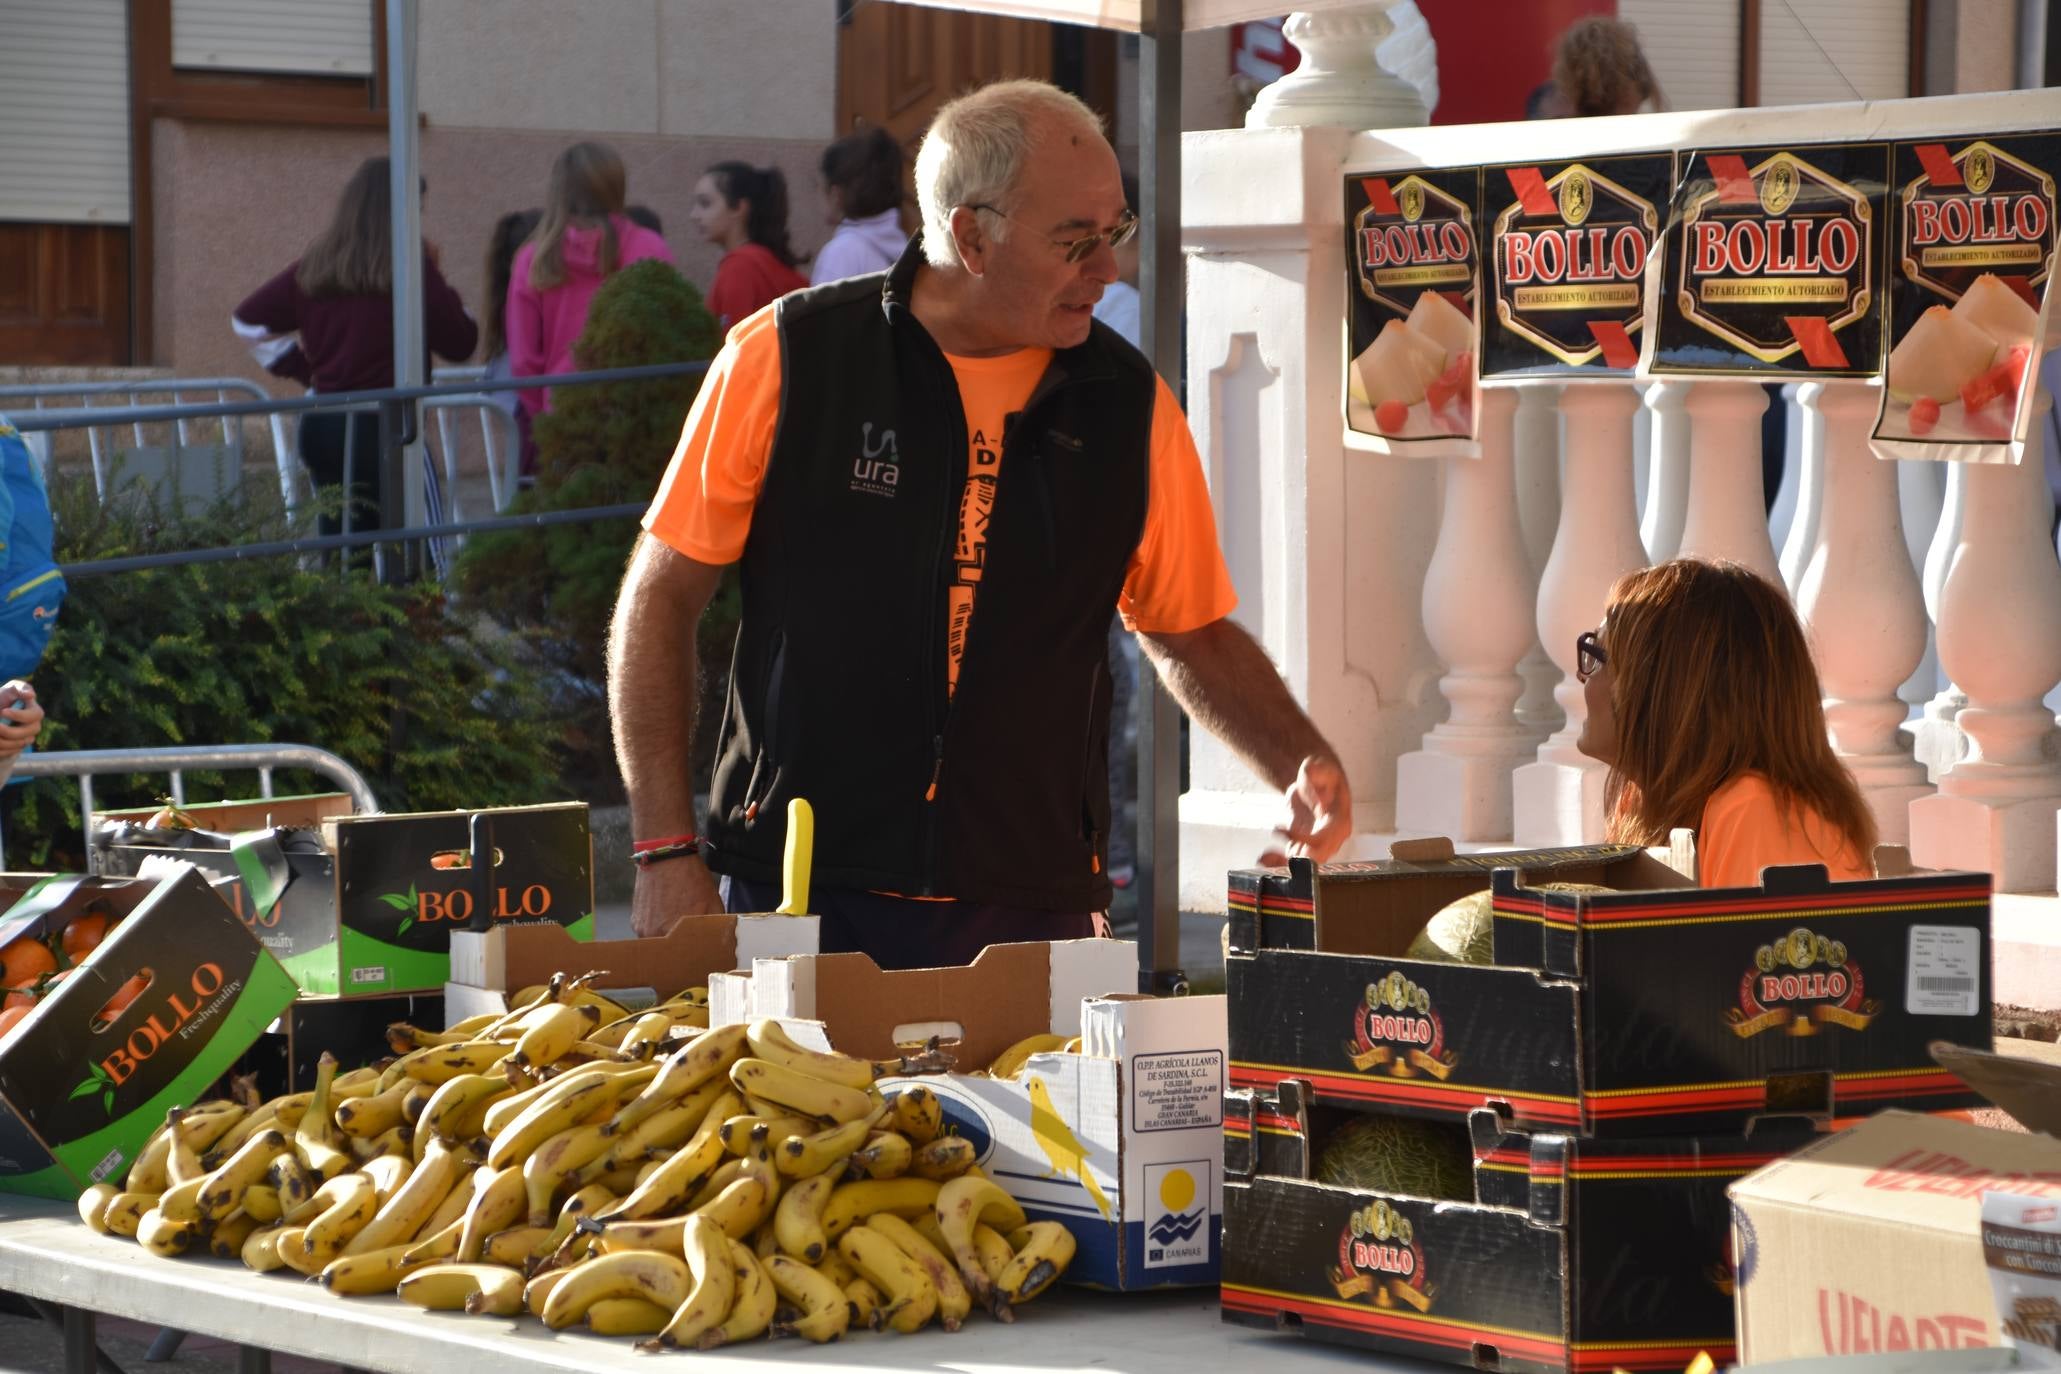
[[1114, 1130], [1640, 1006]]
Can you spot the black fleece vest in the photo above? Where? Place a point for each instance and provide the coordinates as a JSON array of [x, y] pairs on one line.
[[837, 685]]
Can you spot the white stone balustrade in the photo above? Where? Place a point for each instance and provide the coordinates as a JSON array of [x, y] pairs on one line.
[[1478, 614], [1999, 638], [1937, 739], [1538, 511], [1859, 598], [1921, 489], [1558, 798], [1803, 477], [1667, 481], [1727, 510]]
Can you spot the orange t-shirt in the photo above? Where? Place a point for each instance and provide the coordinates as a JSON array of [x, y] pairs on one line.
[[1176, 580], [1745, 829]]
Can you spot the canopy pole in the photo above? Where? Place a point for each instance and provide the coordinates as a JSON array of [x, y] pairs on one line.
[[1160, 286], [401, 504]]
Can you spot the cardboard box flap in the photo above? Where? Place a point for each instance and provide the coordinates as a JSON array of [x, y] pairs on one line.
[[511, 957], [258, 813], [2026, 1088]]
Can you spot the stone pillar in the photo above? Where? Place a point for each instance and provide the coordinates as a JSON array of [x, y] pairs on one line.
[[1538, 510], [1859, 598], [1937, 739], [1667, 482], [1804, 465], [1558, 799], [1727, 513], [1921, 488], [1341, 80], [1478, 613], [2000, 639]]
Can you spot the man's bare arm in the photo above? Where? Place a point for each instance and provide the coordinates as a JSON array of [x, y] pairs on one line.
[[652, 692], [1225, 681]]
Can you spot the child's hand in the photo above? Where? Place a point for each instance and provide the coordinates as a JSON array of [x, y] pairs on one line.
[[21, 717]]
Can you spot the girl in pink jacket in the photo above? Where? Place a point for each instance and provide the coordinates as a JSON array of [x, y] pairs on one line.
[[583, 237]]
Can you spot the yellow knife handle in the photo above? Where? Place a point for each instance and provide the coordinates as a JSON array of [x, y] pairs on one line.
[[794, 864]]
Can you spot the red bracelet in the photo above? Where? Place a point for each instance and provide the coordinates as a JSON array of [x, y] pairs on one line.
[[643, 846]]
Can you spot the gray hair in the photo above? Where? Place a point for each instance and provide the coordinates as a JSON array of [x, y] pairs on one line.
[[976, 148]]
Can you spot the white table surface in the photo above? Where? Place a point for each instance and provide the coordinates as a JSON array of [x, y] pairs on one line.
[[46, 1253]]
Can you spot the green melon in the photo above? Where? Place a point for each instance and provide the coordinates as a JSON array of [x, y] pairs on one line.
[[1460, 933], [1394, 1154]]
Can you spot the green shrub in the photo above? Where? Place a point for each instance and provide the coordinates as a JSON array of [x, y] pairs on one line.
[[602, 444], [434, 711]]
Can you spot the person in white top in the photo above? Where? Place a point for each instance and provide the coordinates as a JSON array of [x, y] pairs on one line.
[[1118, 307], [862, 192]]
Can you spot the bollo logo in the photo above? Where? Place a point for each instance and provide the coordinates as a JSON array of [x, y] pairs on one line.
[[151, 1034], [1798, 984], [1379, 1258], [1396, 1031]]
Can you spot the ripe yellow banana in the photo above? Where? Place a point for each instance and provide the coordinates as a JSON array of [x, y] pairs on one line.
[[167, 1238], [485, 1290], [93, 1205], [516, 1246], [292, 1181], [226, 1240], [802, 1156], [769, 1041], [911, 1296], [869, 1308], [457, 1109], [403, 1038], [953, 1302], [885, 1155], [823, 1311], [438, 1247], [851, 1203], [442, 1063], [707, 1056], [674, 1181], [292, 1253], [964, 1203], [1010, 1062], [400, 1140], [798, 1218], [260, 1252], [125, 1211], [741, 1208], [184, 1162], [547, 1116], [551, 1164], [411, 1205], [261, 1203], [495, 1205], [740, 1133], [451, 1210], [369, 1271], [181, 1201], [752, 1307], [1040, 1260], [255, 1119], [548, 1035], [627, 1317], [223, 1190], [833, 1267], [713, 1288], [388, 1173], [149, 1173], [321, 1146], [661, 1279], [918, 1115], [645, 1034], [800, 1093], [354, 1202], [361, 1118], [947, 1157]]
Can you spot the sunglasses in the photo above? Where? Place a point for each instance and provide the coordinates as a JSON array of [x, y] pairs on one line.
[[1077, 250], [1589, 657]]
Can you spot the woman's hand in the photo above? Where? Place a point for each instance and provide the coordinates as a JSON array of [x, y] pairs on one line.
[[21, 718]]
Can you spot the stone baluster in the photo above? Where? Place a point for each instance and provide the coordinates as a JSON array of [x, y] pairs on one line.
[[1803, 463], [1921, 489], [1538, 511], [1727, 512], [1478, 613], [2000, 639], [1667, 484], [1859, 598], [1558, 799], [1936, 734], [1342, 80]]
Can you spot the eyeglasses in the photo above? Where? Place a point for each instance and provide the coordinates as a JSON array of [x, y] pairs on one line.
[[1589, 657], [1077, 250]]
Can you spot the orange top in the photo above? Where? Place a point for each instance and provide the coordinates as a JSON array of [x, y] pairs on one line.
[[1746, 829], [1176, 582]]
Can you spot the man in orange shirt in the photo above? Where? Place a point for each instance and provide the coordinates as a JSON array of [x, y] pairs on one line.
[[937, 481]]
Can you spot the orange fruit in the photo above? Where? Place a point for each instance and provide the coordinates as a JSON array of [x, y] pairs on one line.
[[119, 1003], [83, 935], [10, 1018], [24, 961], [22, 995]]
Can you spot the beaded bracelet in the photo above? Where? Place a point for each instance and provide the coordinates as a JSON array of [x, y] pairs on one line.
[[644, 853]]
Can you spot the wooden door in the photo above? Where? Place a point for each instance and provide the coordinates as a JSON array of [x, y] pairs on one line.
[[897, 63], [64, 295]]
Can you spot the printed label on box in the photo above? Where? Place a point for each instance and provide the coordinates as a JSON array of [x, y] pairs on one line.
[[1178, 1230], [374, 974], [1178, 1092], [1944, 979]]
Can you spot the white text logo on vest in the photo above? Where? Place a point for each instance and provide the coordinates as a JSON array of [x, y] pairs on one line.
[[877, 469]]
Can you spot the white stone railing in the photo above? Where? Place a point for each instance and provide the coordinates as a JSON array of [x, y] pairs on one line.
[[1424, 608]]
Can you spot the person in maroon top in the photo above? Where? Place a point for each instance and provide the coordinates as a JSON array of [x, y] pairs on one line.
[[744, 209], [327, 320]]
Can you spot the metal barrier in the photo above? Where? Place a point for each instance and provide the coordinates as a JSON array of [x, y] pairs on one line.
[[85, 764], [499, 435]]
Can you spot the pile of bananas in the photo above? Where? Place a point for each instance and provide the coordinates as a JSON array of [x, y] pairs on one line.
[[632, 1174]]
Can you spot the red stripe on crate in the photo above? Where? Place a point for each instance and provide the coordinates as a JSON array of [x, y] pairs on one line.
[[1273, 1122], [1668, 1357], [1419, 1094], [1425, 1330], [1674, 1102], [1884, 899], [1661, 1164], [1929, 1084], [1237, 1128]]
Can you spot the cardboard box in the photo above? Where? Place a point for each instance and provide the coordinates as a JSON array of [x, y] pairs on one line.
[[78, 1096], [1653, 1008], [1870, 1240], [351, 1028], [488, 965], [355, 905], [1573, 1255], [1120, 1142]]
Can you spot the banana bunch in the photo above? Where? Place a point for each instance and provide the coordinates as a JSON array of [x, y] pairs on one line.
[[1010, 1062], [632, 1174]]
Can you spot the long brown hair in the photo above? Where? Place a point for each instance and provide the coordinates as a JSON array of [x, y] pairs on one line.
[[354, 256], [1710, 677], [1600, 68], [588, 185], [511, 231]]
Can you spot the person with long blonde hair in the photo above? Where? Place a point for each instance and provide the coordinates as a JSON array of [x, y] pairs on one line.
[[1704, 701], [584, 237]]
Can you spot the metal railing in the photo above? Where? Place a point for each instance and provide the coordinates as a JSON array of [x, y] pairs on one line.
[[177, 760]]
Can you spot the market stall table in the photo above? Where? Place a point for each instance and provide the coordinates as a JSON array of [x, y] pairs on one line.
[[46, 1254]]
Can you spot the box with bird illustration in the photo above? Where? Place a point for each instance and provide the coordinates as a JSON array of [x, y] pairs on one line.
[[159, 1009], [1485, 1245], [1092, 1106], [359, 905], [1598, 992]]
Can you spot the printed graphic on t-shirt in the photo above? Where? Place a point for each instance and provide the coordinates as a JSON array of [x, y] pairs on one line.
[[976, 504]]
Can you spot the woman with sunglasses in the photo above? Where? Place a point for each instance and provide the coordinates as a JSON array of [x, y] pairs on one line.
[[1703, 699], [743, 210]]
